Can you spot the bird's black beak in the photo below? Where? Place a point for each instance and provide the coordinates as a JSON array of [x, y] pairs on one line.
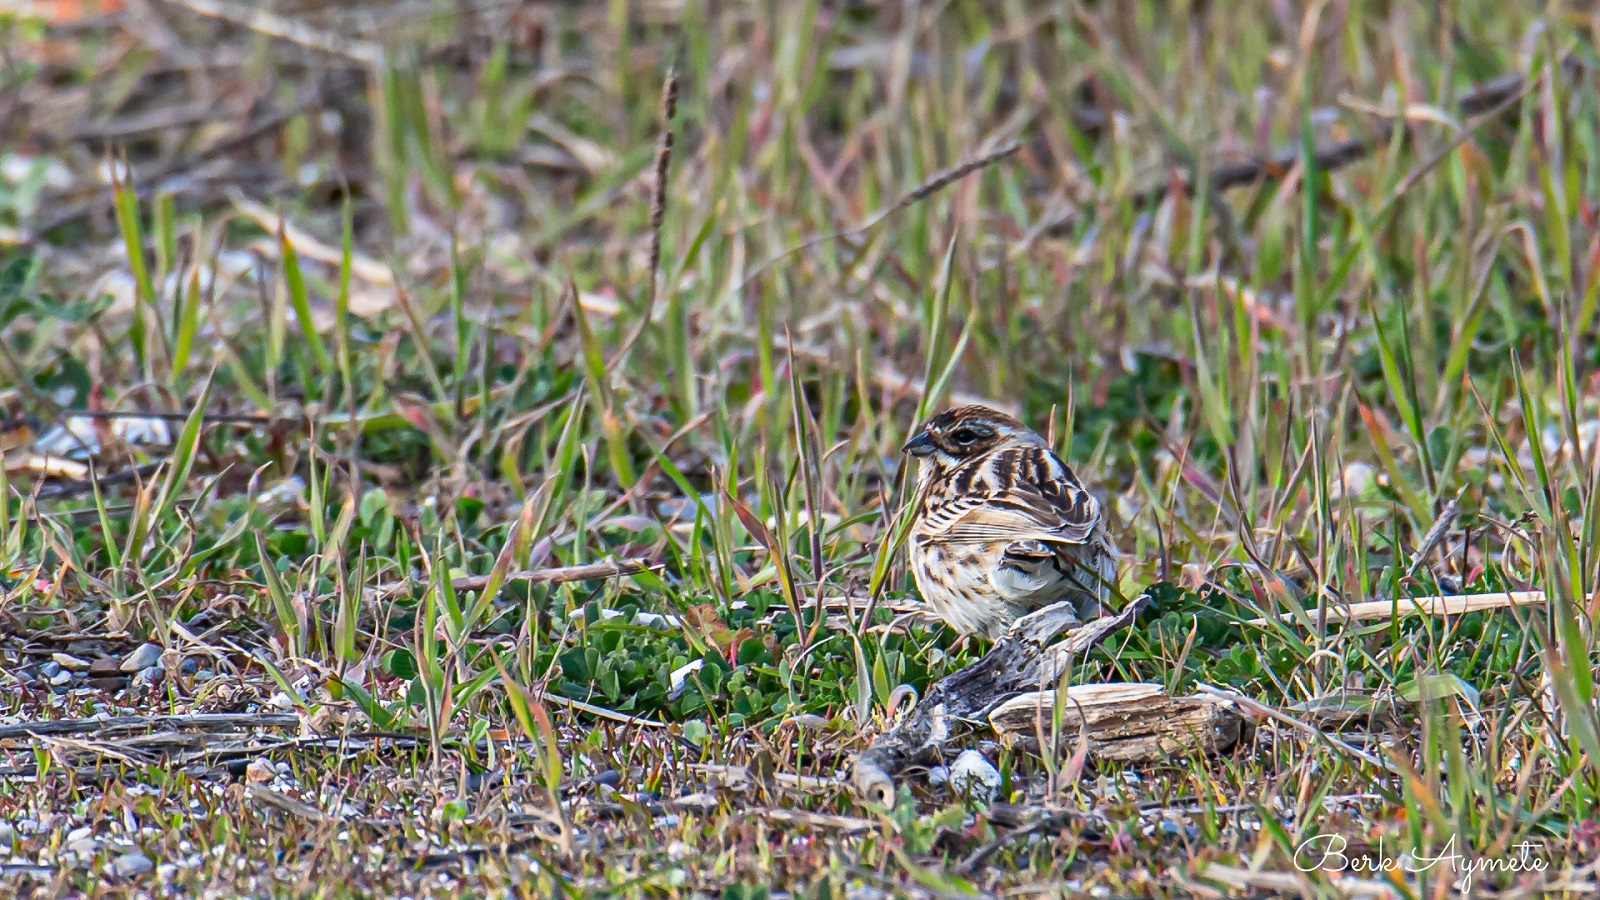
[[921, 445]]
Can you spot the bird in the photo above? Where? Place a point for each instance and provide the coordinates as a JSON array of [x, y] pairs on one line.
[[1001, 527]]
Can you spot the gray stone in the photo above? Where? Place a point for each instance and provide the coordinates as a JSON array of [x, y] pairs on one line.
[[130, 865], [61, 677], [143, 657]]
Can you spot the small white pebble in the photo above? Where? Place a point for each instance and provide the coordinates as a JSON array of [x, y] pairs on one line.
[[973, 774]]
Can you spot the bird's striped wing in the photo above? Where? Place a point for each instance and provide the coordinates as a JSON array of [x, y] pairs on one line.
[[1030, 496]]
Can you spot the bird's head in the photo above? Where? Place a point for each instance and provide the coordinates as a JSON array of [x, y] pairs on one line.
[[963, 433]]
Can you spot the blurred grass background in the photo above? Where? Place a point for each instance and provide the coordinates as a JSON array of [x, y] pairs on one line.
[[1307, 290]]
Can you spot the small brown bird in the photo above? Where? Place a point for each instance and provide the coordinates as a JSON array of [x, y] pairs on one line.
[[1002, 526]]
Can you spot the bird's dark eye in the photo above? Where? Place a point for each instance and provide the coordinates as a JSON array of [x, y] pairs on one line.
[[965, 436]]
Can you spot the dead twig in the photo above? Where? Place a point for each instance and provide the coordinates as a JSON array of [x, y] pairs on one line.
[[1052, 820], [1259, 708], [111, 725], [68, 213], [283, 28], [60, 490], [553, 575], [179, 416], [819, 821], [602, 712]]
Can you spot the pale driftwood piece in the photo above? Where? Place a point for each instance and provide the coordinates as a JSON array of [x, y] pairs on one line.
[[1124, 722], [819, 821], [1023, 660], [1448, 605]]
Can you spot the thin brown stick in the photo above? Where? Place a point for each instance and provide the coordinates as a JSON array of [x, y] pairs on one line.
[[62, 489], [561, 574], [284, 28], [109, 724], [820, 821], [67, 637], [1052, 820]]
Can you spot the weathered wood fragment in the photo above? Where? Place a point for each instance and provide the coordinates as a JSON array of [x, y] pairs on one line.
[[1124, 722]]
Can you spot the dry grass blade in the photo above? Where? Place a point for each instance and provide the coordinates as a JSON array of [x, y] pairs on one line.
[[1249, 879], [1448, 605], [172, 416], [553, 575], [933, 185]]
